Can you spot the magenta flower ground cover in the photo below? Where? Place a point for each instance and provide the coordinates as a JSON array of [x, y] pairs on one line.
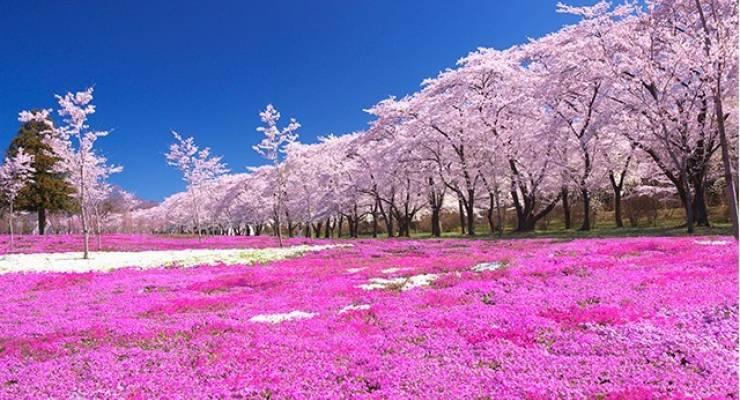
[[637, 318], [141, 242]]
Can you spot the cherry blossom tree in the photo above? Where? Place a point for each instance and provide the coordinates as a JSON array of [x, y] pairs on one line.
[[574, 88], [664, 81], [74, 142], [272, 147], [15, 173], [198, 168], [720, 32], [517, 132]]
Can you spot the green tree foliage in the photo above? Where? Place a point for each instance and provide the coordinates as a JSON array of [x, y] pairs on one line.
[[49, 191]]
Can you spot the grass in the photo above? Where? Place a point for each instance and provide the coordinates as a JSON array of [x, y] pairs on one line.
[[670, 222]]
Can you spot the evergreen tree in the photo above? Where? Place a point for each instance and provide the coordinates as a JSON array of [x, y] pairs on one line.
[[48, 191]]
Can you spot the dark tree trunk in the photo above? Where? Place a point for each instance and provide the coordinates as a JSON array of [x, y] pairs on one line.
[[389, 224], [489, 214], [461, 212], [387, 218], [525, 206], [470, 211], [350, 226], [356, 220], [290, 224], [699, 205], [436, 228], [339, 227], [327, 227], [566, 207], [354, 225], [375, 219], [618, 209], [689, 217], [401, 226], [375, 224], [586, 226], [685, 193], [525, 225], [435, 203], [617, 188], [42, 220], [526, 219]]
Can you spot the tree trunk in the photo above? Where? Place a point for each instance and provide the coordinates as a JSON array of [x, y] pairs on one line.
[[291, 228], [461, 212], [617, 188], [618, 209], [686, 196], [501, 221], [586, 226], [525, 223], [566, 208], [436, 228], [42, 220], [356, 222], [435, 203], [526, 219], [689, 217], [278, 230], [389, 224], [699, 204], [471, 218], [10, 226], [489, 214], [730, 190], [375, 219], [351, 226]]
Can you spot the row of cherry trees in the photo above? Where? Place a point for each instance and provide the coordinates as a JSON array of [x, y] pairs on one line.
[[630, 99]]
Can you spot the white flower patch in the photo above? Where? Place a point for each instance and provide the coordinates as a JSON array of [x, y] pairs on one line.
[[489, 266], [711, 242], [281, 317], [354, 307], [405, 282], [103, 261], [355, 270], [393, 270]]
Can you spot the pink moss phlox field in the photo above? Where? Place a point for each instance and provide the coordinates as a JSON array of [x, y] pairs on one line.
[[641, 318], [140, 242]]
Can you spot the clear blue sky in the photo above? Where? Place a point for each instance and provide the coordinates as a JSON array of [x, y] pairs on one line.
[[207, 68]]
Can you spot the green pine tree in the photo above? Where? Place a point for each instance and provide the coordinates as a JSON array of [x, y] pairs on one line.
[[49, 191]]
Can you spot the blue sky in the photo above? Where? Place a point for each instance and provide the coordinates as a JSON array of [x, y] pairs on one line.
[[207, 68]]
